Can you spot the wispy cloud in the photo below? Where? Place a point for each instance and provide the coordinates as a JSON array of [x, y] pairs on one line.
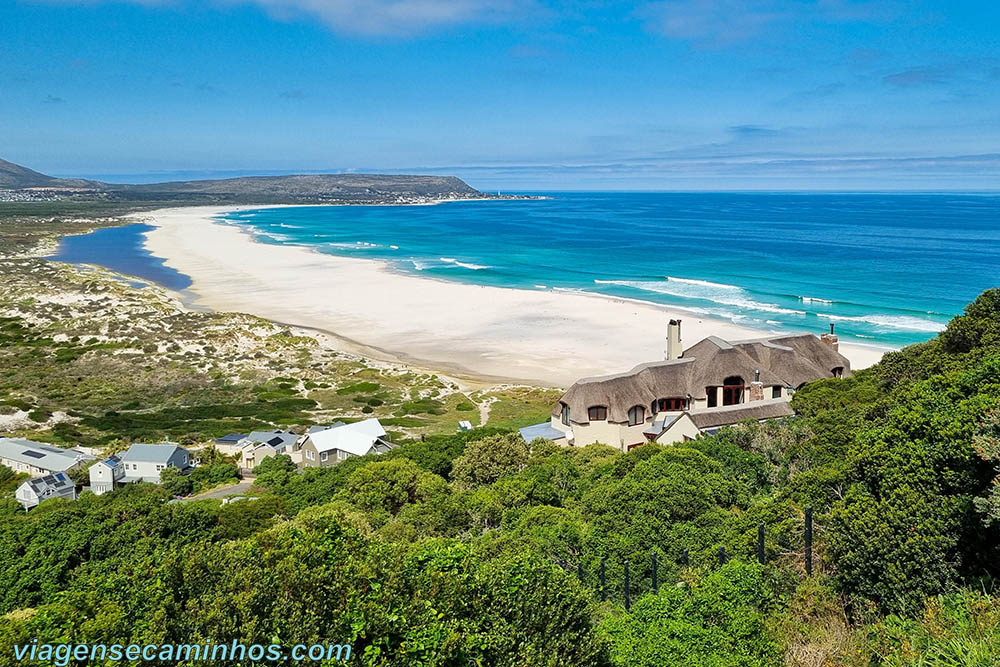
[[52, 99], [920, 76], [724, 22], [372, 17]]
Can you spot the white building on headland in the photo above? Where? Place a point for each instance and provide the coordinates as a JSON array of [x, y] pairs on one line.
[[714, 383]]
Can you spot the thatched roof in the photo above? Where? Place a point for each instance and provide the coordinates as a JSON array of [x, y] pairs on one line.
[[788, 361], [734, 414]]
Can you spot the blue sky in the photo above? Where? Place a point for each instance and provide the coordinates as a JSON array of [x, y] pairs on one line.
[[510, 94]]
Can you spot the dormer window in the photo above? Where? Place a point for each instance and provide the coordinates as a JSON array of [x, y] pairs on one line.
[[565, 414], [597, 413], [636, 415], [838, 372], [669, 404]]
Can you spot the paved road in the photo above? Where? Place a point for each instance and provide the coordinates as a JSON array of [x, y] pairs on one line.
[[223, 491]]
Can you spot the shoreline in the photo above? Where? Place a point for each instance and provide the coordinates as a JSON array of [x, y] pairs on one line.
[[485, 332]]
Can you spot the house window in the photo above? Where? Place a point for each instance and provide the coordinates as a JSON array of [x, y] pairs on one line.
[[341, 455], [159, 468], [712, 393], [565, 414], [732, 390], [636, 415], [670, 404], [838, 372], [310, 455], [776, 391], [323, 457], [598, 413]]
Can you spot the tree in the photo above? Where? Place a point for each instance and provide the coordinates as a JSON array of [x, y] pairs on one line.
[[720, 621], [979, 327], [383, 488], [487, 460], [175, 482]]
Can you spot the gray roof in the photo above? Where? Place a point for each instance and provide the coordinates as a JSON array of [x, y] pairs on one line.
[[707, 418], [40, 455], [317, 429], [150, 453], [111, 461], [544, 430], [57, 482], [230, 438], [660, 425], [277, 439], [781, 360]]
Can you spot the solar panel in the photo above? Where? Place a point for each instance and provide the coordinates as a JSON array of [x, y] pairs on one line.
[[34, 455], [274, 442]]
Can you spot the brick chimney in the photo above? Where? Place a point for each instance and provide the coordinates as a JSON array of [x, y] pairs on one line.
[[674, 349], [831, 339], [756, 387]]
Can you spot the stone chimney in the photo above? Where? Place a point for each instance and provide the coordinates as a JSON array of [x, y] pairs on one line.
[[674, 349], [756, 387], [831, 339]]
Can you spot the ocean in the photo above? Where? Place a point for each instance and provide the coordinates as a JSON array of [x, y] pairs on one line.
[[887, 269]]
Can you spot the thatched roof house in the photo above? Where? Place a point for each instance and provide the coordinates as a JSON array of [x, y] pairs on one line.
[[712, 383]]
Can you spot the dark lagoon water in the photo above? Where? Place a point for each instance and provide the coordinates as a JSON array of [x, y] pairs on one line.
[[120, 249]]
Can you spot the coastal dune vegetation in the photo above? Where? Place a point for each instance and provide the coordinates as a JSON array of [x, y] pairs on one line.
[[477, 548]]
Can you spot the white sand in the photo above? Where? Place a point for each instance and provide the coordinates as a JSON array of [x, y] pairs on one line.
[[539, 336]]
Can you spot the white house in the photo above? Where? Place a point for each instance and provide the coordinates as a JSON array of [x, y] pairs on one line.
[[107, 474], [38, 459], [35, 491], [144, 463], [328, 446]]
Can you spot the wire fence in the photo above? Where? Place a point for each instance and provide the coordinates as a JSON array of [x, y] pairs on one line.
[[685, 561]]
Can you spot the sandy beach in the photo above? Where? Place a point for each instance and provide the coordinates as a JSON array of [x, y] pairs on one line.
[[545, 337]]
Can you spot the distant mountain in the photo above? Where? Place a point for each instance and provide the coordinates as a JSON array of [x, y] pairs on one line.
[[320, 188], [15, 176]]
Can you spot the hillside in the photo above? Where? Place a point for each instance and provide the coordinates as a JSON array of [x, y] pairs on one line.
[[21, 182], [15, 176]]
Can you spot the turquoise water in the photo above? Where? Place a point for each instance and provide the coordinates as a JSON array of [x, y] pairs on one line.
[[887, 269]]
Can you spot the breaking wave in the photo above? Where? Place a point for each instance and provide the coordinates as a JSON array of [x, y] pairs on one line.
[[725, 295], [905, 322]]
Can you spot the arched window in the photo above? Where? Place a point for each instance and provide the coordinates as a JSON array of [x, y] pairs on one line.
[[636, 415], [565, 414], [732, 390], [597, 413]]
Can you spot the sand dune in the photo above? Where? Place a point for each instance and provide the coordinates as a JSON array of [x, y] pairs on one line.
[[538, 336]]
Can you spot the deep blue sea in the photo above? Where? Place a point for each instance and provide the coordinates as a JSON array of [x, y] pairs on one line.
[[887, 269]]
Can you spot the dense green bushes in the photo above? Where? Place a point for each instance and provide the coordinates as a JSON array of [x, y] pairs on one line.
[[467, 549]]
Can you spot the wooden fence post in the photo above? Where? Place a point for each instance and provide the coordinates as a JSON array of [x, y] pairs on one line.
[[809, 540], [760, 543], [628, 589], [656, 582], [604, 590]]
